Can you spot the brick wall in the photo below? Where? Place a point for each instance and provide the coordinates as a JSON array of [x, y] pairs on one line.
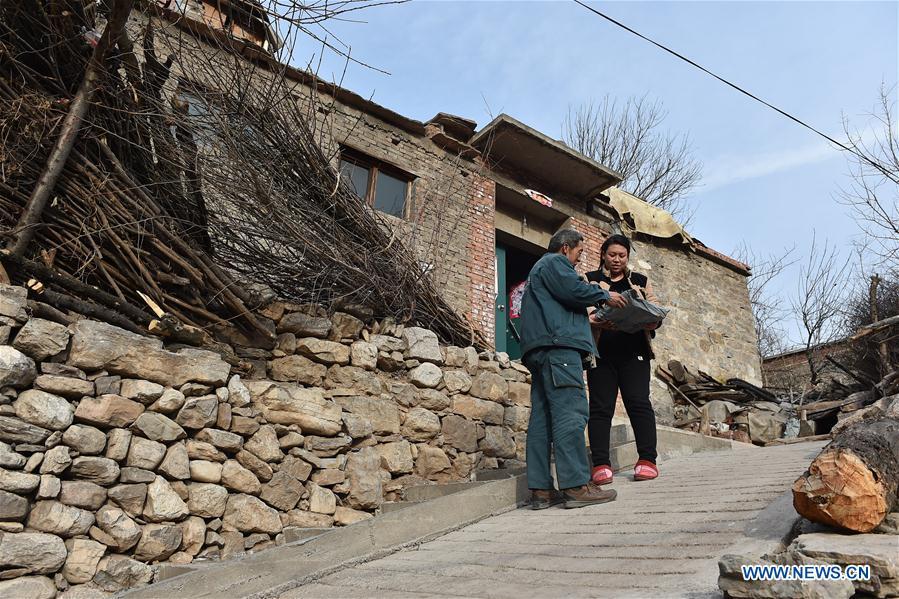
[[481, 263]]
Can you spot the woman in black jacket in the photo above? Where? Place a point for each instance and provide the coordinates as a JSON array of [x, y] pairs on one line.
[[623, 364]]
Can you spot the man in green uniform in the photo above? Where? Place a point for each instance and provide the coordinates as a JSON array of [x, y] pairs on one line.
[[555, 342]]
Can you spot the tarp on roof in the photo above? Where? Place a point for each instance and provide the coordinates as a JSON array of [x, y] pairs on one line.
[[645, 218]]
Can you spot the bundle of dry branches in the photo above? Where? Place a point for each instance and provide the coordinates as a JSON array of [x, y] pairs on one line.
[[161, 181]]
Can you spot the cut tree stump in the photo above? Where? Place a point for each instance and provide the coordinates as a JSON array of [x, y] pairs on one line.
[[852, 484]]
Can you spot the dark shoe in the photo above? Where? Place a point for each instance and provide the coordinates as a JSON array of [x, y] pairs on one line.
[[544, 498], [589, 494]]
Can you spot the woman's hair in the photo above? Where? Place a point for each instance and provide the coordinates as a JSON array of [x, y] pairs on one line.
[[616, 240]]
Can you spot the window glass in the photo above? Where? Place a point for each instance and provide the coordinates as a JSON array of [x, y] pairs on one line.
[[390, 195], [357, 175]]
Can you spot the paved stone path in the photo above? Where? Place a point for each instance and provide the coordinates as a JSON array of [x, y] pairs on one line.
[[658, 539]]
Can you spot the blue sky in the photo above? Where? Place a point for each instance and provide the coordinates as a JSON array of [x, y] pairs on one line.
[[767, 182]]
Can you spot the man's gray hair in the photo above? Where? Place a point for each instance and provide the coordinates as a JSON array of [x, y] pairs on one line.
[[568, 237]]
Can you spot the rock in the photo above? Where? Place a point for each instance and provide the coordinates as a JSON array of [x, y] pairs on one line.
[[890, 524], [145, 454], [298, 369], [388, 343], [233, 544], [243, 425], [383, 415], [291, 440], [364, 355], [283, 403], [353, 377], [108, 411], [64, 386], [28, 587], [207, 500], [303, 325], [14, 430], [390, 362], [286, 343], [223, 419], [102, 471], [478, 409], [433, 400], [489, 386], [457, 381], [44, 409], [169, 402], [325, 446], [282, 492], [249, 514], [117, 573], [430, 461], [129, 497], [16, 369], [305, 519], [136, 475], [498, 443], [31, 553], [86, 440], [426, 375], [264, 445], [205, 472], [249, 461], [81, 564], [357, 426], [145, 392], [157, 542], [62, 520], [520, 394], [13, 301], [34, 460], [101, 346], [220, 439], [422, 345], [344, 516], [157, 427], [296, 467], [238, 394], [83, 494], [420, 425], [107, 385], [49, 487], [163, 503], [197, 450], [329, 477], [396, 457], [56, 460], [175, 464], [193, 535], [9, 458], [321, 500], [516, 418], [460, 433], [364, 479], [20, 483], [198, 412], [731, 582], [345, 326], [41, 339], [118, 442], [238, 478], [875, 550], [324, 352]]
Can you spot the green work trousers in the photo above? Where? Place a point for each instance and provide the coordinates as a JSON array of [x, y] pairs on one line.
[[559, 413]]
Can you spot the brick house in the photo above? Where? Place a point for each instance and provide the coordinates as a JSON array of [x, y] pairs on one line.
[[478, 205]]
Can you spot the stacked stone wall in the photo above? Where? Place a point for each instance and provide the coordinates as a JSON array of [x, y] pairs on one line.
[[118, 452]]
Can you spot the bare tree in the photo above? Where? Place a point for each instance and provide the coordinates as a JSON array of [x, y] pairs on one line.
[[768, 310], [655, 165], [873, 195], [820, 300]]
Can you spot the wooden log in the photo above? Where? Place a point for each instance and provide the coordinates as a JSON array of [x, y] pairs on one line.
[[853, 482]]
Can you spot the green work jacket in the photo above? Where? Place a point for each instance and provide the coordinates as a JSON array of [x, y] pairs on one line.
[[554, 307]]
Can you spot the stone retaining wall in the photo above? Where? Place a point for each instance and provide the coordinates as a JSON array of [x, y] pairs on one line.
[[117, 452]]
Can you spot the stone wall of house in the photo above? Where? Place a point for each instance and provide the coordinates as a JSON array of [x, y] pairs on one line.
[[117, 452]]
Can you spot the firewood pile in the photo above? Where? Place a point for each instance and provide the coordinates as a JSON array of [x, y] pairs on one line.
[[118, 204]]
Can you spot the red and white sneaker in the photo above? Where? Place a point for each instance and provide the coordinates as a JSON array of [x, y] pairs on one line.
[[645, 470], [602, 475]]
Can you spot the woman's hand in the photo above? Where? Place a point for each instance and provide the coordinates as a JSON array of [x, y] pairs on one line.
[[604, 324]]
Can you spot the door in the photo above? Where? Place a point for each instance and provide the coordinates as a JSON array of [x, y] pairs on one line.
[[501, 299]]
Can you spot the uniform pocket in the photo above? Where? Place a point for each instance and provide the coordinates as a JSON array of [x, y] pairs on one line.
[[567, 371]]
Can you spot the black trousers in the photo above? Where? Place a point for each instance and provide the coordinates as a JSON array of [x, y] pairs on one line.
[[631, 376]]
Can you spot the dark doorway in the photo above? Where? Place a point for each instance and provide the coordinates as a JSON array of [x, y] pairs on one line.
[[514, 260]]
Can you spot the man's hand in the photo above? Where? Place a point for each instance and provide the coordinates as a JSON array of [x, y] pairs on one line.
[[616, 300]]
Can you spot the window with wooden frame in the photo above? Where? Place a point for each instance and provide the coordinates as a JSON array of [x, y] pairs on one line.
[[383, 186]]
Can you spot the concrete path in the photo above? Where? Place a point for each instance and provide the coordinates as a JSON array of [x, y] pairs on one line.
[[659, 539]]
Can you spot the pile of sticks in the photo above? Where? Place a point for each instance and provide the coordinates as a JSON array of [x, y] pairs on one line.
[[116, 203]]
